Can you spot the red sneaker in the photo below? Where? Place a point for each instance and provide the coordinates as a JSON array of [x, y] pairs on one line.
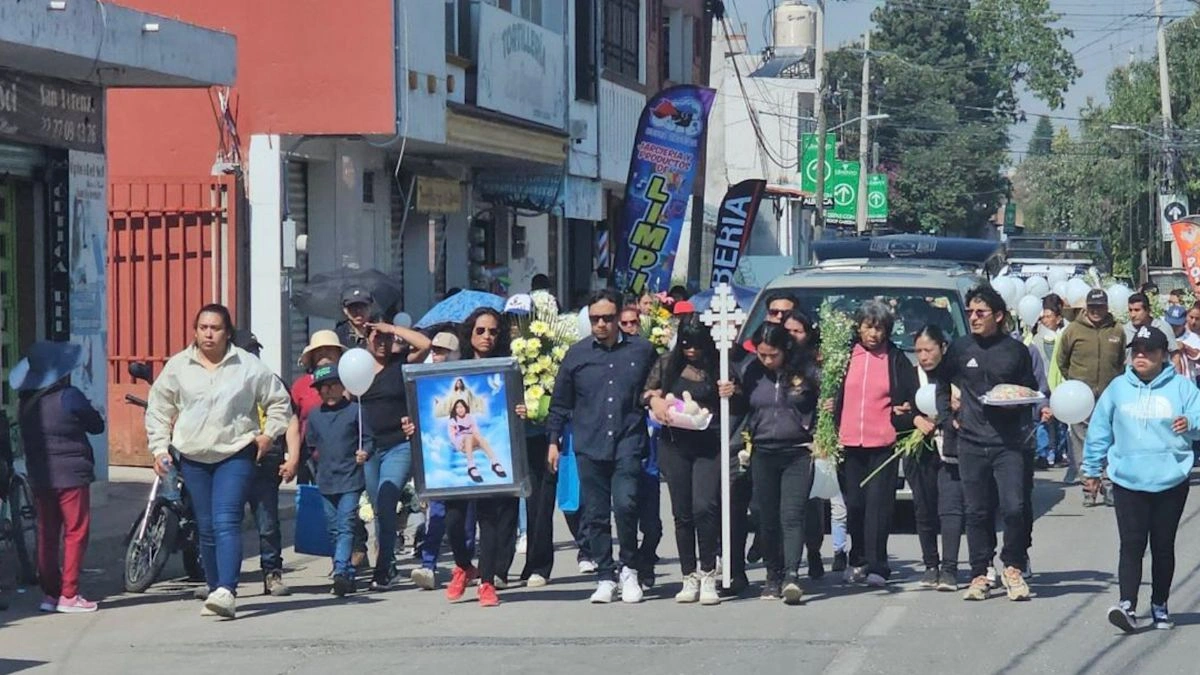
[[458, 582], [487, 595]]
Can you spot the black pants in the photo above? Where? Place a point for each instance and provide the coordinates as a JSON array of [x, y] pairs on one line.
[[922, 475], [1154, 516], [539, 511], [609, 490], [951, 511], [782, 481], [979, 467], [693, 473], [1029, 456], [649, 507], [870, 508], [497, 518], [741, 491]]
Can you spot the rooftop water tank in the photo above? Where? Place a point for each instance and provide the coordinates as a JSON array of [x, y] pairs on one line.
[[795, 27]]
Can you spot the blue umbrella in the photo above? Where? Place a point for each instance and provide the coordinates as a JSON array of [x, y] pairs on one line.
[[742, 295], [456, 308]]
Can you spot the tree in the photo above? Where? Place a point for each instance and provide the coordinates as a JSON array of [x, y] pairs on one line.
[[948, 73], [1043, 134]]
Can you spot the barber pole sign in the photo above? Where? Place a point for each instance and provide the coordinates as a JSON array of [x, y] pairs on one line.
[[734, 223]]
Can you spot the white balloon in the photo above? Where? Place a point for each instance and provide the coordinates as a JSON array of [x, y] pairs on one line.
[[1038, 287], [403, 320], [1071, 402], [926, 399], [1077, 290], [585, 323], [356, 370], [1029, 308], [1118, 295], [1060, 289], [1056, 275]]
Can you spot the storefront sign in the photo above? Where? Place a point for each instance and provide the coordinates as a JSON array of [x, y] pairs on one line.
[[438, 195], [520, 68], [58, 261], [584, 199], [46, 111], [535, 191], [662, 168]]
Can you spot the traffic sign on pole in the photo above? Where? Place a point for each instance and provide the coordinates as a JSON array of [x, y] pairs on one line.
[[1171, 209]]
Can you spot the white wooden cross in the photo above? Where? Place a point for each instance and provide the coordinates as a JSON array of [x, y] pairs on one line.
[[724, 318]]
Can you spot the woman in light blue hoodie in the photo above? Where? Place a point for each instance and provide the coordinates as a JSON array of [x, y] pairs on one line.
[[1143, 426]]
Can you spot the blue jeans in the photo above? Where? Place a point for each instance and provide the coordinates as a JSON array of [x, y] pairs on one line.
[[264, 505], [219, 493], [435, 531], [339, 518], [1044, 449], [386, 473]]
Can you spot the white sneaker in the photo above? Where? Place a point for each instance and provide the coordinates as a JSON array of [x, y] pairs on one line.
[[993, 576], [522, 544], [631, 590], [221, 603], [708, 588], [605, 590], [587, 567], [536, 581], [691, 589], [425, 578]]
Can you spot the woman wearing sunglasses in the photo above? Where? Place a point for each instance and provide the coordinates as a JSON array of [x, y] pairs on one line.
[[485, 336]]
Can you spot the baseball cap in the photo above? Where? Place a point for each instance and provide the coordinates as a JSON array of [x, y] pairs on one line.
[[1097, 298], [327, 373], [354, 295], [1176, 315], [1148, 338], [446, 340]]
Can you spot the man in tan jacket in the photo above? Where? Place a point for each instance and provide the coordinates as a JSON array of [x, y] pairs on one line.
[[1092, 350]]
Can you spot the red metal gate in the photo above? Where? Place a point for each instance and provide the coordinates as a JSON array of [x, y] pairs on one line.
[[172, 249]]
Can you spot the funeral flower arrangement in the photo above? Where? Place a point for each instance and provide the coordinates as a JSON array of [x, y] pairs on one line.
[[657, 326], [836, 330], [542, 342]]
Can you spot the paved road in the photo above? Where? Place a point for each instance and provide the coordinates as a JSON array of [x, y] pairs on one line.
[[839, 629]]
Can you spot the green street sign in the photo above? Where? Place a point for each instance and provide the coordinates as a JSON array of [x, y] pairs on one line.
[[843, 187], [808, 160], [877, 198]]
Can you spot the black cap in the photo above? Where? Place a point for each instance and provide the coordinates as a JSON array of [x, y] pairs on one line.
[[1148, 339], [327, 373], [1097, 298], [354, 295]]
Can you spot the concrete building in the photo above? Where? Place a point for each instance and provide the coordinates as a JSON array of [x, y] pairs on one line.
[[59, 60]]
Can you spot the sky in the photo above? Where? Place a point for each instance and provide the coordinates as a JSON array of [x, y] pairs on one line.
[[1106, 33]]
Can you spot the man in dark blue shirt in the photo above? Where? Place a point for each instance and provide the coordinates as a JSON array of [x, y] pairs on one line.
[[599, 389]]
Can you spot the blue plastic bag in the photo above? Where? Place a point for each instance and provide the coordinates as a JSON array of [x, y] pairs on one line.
[[312, 532], [568, 476]]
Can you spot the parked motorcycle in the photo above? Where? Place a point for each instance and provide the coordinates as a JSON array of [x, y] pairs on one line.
[[167, 524]]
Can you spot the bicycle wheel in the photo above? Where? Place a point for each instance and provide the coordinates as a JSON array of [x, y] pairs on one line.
[[145, 557], [24, 527]]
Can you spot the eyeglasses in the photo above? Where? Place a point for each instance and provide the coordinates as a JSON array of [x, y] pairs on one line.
[[777, 312], [633, 322], [981, 313], [480, 330], [606, 318]]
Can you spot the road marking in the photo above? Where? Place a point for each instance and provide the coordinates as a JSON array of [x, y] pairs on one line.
[[847, 662], [883, 622]]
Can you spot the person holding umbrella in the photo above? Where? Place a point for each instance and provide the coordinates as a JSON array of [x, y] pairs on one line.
[[56, 419]]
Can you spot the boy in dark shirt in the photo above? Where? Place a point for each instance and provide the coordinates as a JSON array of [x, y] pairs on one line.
[[333, 432]]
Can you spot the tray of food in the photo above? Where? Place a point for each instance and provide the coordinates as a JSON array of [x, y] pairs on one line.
[[1010, 395]]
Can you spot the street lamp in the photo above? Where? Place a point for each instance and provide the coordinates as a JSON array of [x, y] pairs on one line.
[[1130, 127], [868, 118]]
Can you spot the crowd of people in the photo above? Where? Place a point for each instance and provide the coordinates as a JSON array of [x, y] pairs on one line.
[[235, 431]]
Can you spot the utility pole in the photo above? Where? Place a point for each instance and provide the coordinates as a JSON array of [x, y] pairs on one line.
[[1164, 92], [818, 228], [863, 145]]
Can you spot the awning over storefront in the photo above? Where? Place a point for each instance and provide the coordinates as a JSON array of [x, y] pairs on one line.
[[113, 46], [476, 132]]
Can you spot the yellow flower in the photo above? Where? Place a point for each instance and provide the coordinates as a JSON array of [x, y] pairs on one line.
[[539, 328], [518, 345], [533, 347], [664, 313], [548, 382], [545, 362], [535, 367], [530, 380], [536, 392], [559, 353]]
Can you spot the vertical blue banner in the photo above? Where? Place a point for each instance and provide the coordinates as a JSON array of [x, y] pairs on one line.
[[662, 168]]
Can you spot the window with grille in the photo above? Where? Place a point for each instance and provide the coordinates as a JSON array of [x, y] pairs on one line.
[[620, 45]]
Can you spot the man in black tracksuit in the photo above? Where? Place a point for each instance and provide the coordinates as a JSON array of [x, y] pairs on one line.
[[992, 440]]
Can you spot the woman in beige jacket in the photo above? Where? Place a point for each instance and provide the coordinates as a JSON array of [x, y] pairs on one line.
[[204, 405]]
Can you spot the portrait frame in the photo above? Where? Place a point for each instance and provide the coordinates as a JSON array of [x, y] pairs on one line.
[[468, 432]]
